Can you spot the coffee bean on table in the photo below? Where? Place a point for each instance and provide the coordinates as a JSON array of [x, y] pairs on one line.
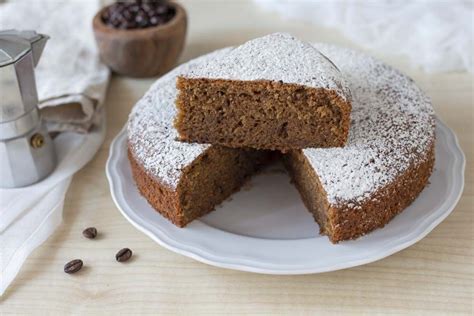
[[73, 266], [123, 255], [90, 232]]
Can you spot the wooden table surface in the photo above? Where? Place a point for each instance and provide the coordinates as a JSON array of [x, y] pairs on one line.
[[434, 276]]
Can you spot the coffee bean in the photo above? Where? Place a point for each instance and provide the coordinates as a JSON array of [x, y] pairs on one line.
[[134, 8], [162, 9], [154, 20], [123, 255], [73, 266], [90, 232]]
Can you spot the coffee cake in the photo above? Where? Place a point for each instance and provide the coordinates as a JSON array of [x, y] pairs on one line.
[[350, 190]]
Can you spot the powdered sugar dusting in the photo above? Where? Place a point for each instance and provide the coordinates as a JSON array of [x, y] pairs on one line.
[[392, 127], [275, 57], [151, 134]]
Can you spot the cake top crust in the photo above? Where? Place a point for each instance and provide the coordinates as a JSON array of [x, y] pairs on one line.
[[392, 128], [272, 57]]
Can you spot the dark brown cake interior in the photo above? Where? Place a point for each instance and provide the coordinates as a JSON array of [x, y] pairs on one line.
[[208, 181], [260, 114], [310, 188], [214, 176]]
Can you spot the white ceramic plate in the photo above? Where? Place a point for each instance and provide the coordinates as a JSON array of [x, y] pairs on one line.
[[268, 230]]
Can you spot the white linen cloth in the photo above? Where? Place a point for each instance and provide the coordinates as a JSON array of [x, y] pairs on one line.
[[69, 72], [71, 83], [434, 35]]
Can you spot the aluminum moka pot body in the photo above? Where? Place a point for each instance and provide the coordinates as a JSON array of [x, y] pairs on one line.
[[27, 152]]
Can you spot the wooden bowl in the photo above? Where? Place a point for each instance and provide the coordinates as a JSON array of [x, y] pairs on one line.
[[146, 52]]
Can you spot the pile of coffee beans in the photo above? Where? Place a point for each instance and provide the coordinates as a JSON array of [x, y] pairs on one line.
[[76, 265], [138, 14]]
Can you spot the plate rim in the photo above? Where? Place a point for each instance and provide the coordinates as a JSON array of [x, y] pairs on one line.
[[166, 241]]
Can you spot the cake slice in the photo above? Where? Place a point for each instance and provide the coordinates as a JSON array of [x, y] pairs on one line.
[[274, 92]]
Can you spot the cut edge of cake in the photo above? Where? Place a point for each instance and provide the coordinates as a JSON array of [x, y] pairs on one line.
[[216, 174], [260, 114]]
